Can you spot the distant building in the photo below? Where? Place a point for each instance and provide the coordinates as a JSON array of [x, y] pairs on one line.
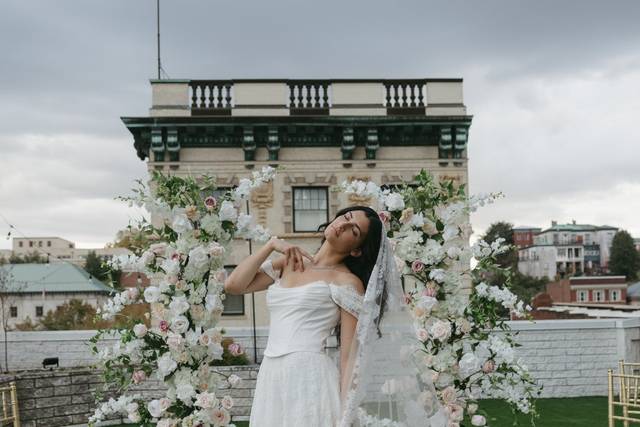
[[588, 297], [34, 289], [523, 236], [589, 289], [56, 249], [565, 250]]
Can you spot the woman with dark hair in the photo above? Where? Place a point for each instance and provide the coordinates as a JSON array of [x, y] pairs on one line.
[[308, 296]]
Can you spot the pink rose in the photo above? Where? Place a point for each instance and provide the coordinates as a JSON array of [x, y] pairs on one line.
[[422, 334], [430, 291], [235, 349], [384, 217], [226, 402], [220, 276], [489, 366], [164, 326], [138, 377], [417, 266], [133, 294], [210, 203], [455, 411]]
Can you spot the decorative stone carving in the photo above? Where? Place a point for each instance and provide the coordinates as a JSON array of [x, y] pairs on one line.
[[262, 199]]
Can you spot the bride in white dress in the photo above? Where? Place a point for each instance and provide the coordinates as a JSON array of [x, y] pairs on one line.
[[307, 296]]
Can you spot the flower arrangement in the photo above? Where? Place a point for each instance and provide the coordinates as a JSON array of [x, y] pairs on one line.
[[456, 314], [188, 238]]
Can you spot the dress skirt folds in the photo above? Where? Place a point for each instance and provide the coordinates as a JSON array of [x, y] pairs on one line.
[[299, 389]]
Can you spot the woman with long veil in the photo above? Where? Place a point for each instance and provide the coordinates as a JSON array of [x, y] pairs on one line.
[[351, 282]]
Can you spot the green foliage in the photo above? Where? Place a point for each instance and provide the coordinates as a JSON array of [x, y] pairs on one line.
[[94, 265], [33, 257], [625, 259], [503, 229], [73, 314]]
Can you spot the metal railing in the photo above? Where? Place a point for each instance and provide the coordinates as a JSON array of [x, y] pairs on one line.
[[10, 410]]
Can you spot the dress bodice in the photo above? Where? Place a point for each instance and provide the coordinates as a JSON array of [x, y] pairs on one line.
[[302, 317]]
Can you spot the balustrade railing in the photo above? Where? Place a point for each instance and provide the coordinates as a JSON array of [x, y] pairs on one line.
[[211, 97], [405, 96], [309, 97], [314, 97]]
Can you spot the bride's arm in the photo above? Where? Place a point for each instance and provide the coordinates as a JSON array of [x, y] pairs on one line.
[[245, 277], [347, 331]]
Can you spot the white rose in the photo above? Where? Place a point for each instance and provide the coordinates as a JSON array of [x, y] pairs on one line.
[[215, 350], [422, 334], [179, 305], [154, 408], [216, 249], [198, 257], [472, 408], [234, 380], [450, 232], [134, 417], [478, 420], [174, 341], [185, 392], [441, 330], [213, 303], [227, 212], [132, 407], [166, 365], [205, 400], [453, 252], [151, 294], [180, 222], [140, 330], [469, 365], [166, 422], [449, 395], [227, 402], [180, 324], [394, 202], [427, 303]]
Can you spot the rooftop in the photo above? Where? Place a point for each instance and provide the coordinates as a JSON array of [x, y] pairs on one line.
[[59, 277]]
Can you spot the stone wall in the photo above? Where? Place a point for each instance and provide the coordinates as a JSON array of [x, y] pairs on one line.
[[571, 357], [26, 350], [64, 397]]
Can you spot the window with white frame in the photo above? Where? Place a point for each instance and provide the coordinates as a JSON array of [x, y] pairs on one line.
[[583, 296], [310, 208], [615, 295], [598, 295]]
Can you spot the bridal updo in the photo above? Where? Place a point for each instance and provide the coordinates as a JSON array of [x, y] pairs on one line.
[[362, 265]]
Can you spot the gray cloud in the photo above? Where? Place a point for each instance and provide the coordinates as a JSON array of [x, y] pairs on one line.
[[548, 82]]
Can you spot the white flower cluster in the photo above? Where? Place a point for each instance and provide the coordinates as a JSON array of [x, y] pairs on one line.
[[246, 185], [432, 245], [502, 296], [386, 199], [186, 296], [122, 405]]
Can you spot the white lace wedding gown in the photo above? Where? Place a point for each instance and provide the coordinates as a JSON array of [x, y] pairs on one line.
[[298, 384]]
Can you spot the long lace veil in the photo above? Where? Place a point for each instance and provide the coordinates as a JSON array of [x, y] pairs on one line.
[[384, 384]]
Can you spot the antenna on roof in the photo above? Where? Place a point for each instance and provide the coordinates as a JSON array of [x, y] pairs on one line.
[[160, 69]]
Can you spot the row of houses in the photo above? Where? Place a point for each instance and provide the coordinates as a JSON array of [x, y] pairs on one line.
[[564, 250]]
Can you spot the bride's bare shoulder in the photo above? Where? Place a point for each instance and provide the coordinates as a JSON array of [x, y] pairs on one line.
[[349, 279]]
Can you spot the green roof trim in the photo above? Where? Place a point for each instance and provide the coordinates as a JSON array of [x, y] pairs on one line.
[[57, 277]]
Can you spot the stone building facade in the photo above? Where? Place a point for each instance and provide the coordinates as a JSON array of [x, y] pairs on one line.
[[318, 132]]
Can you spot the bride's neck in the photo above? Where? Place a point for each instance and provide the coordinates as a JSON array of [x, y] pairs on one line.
[[327, 256]]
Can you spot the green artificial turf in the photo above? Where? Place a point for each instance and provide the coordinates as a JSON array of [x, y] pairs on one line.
[[557, 412]]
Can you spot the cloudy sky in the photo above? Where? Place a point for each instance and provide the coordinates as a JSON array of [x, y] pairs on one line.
[[553, 87]]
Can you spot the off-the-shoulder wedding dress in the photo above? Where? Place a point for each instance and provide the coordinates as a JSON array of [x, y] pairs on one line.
[[298, 383]]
